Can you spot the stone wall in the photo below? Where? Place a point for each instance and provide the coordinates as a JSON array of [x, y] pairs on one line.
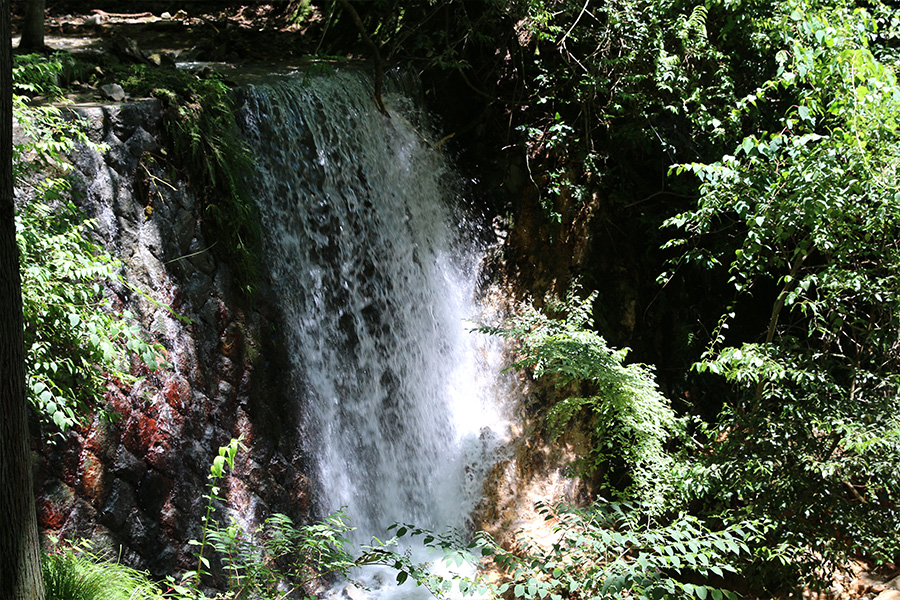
[[135, 485]]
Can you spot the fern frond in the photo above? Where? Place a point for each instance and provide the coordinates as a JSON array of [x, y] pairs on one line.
[[696, 24]]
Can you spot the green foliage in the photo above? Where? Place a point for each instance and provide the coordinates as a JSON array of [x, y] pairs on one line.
[[603, 551], [278, 553], [199, 120], [601, 93], [624, 80], [200, 123], [74, 343], [72, 573], [300, 11], [616, 550], [48, 76], [48, 134], [74, 339], [630, 418], [36, 74], [279, 558], [260, 564], [191, 580], [804, 217]]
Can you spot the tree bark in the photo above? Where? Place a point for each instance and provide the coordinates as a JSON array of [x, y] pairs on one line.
[[20, 567], [33, 28]]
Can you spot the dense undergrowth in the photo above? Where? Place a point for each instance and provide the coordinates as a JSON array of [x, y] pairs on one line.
[[604, 551]]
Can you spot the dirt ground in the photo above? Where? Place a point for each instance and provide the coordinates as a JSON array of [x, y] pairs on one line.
[[234, 34]]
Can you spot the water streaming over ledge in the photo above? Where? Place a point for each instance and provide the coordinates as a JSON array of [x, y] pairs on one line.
[[375, 268]]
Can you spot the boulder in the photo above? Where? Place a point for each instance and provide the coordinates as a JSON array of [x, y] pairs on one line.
[[113, 91], [891, 590]]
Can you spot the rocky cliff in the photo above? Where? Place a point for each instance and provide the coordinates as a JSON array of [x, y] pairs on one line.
[[134, 485]]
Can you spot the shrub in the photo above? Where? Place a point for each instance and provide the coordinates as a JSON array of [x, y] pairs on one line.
[[72, 574], [629, 417], [615, 550]]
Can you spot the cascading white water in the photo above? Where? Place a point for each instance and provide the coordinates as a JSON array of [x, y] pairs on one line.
[[375, 273]]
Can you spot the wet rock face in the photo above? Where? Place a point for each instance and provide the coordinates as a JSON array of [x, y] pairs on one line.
[[135, 484]]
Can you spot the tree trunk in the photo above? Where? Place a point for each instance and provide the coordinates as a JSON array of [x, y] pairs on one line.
[[33, 28], [20, 567]]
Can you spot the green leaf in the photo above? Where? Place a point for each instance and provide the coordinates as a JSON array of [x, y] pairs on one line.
[[59, 418], [218, 467], [747, 145]]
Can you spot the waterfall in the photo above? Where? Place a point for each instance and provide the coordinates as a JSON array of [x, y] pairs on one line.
[[375, 269]]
